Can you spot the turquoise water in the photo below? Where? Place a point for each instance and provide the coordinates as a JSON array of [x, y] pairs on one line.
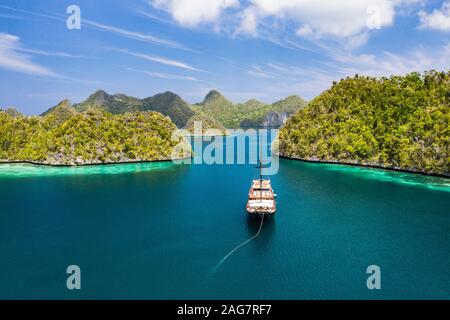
[[156, 231], [15, 171]]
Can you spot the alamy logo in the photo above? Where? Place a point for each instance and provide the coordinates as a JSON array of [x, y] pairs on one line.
[[242, 147], [74, 280], [74, 20], [374, 280]]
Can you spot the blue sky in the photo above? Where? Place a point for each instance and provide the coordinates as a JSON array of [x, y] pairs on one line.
[[263, 49]]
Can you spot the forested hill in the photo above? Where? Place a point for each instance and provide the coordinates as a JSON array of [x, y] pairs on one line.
[[66, 137], [215, 110], [250, 113], [399, 122], [168, 104]]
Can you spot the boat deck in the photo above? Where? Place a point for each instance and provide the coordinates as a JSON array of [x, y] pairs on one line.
[[261, 198], [266, 184], [258, 194]]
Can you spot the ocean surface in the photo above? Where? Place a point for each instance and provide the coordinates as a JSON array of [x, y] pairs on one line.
[[159, 230]]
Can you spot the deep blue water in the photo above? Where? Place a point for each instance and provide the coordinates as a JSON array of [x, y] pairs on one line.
[[155, 231]]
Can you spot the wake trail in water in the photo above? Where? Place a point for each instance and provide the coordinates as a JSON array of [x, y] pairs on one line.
[[213, 270]]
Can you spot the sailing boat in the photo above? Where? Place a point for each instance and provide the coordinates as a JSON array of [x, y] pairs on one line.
[[261, 197]]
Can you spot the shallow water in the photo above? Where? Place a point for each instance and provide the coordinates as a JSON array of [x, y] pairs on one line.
[[18, 170], [157, 230]]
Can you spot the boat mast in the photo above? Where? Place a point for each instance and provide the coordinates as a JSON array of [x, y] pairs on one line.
[[260, 168]]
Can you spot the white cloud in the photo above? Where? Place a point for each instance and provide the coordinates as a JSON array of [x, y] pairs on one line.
[[164, 75], [134, 35], [139, 36], [439, 19], [12, 59], [327, 17], [304, 31], [419, 59], [319, 17], [350, 19], [191, 13], [249, 22], [161, 60], [310, 81], [36, 14], [259, 72], [49, 53]]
